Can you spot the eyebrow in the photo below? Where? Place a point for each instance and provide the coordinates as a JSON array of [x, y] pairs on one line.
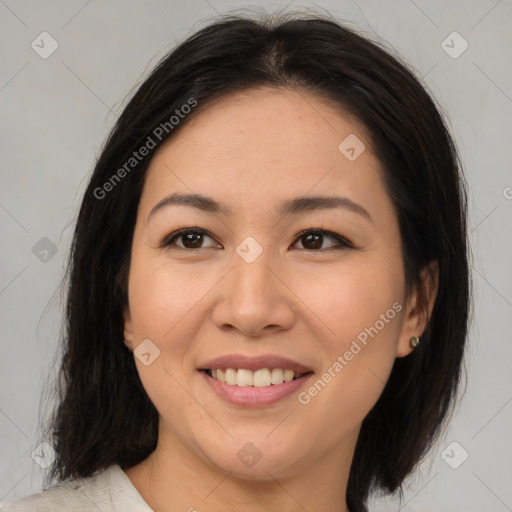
[[290, 206]]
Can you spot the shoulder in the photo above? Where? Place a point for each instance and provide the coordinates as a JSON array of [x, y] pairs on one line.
[[108, 491]]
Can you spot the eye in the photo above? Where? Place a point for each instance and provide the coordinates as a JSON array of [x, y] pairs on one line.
[[190, 238], [312, 239]]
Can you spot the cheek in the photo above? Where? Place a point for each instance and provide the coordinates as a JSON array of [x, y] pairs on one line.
[[361, 312], [163, 306], [350, 298], [163, 298]]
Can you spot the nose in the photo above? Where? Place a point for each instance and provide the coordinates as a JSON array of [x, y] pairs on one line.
[[254, 299]]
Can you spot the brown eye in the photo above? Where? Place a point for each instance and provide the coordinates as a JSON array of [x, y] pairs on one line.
[[187, 238], [313, 240]]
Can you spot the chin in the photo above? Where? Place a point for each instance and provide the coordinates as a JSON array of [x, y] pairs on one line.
[[256, 457]]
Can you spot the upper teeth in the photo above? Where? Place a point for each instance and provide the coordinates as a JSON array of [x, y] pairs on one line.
[[259, 378]]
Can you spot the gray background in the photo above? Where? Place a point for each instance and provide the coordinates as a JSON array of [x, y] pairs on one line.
[[57, 111]]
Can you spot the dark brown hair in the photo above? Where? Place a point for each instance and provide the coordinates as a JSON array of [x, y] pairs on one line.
[[104, 415]]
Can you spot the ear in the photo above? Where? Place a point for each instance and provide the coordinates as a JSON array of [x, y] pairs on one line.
[[128, 328], [419, 307]]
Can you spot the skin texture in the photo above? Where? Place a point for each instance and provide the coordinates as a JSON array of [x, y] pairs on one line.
[[251, 151]]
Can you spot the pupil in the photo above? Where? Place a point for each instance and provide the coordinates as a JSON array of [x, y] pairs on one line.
[[317, 242], [192, 239]]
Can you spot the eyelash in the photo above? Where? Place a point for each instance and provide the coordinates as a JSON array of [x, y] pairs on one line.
[[343, 243]]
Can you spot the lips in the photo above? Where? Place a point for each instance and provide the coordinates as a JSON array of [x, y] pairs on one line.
[[254, 381], [255, 363]]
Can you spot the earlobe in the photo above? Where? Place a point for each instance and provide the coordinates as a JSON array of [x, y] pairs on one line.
[[419, 309], [128, 328]]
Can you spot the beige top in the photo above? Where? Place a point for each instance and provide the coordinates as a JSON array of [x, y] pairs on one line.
[[108, 491]]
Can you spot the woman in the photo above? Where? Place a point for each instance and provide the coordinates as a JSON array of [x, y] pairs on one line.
[[268, 284]]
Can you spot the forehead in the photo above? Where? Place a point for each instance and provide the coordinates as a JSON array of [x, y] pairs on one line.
[[262, 143], [280, 119]]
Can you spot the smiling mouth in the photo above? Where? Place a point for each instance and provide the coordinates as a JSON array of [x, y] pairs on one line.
[[261, 378]]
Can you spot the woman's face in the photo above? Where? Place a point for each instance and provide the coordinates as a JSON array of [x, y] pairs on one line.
[[262, 291]]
